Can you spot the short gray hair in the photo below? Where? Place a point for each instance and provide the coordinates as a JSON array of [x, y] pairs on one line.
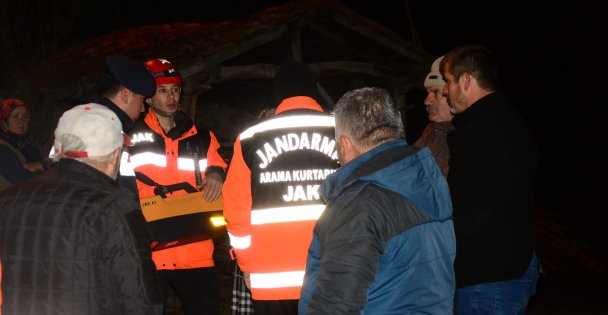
[[369, 116]]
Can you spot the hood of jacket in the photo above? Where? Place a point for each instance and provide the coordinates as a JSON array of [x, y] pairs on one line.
[[398, 167]]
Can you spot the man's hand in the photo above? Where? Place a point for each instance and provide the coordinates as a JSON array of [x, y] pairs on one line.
[[212, 186], [33, 166]]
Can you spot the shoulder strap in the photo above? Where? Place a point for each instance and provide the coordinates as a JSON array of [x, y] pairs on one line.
[[163, 190], [145, 179], [205, 138]]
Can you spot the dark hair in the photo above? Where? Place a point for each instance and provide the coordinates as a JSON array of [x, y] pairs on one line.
[[475, 60], [108, 86]]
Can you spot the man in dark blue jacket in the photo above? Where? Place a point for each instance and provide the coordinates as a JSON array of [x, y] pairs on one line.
[[385, 243], [123, 91]]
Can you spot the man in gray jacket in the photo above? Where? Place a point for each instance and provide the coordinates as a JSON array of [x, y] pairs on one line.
[[71, 240]]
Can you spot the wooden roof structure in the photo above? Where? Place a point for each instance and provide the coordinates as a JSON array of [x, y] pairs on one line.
[[228, 66]]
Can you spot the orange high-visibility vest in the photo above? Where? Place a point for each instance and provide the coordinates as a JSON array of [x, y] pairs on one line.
[[169, 161], [271, 200]]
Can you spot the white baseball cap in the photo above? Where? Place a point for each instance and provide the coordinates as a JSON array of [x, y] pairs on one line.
[[88, 130], [434, 78]]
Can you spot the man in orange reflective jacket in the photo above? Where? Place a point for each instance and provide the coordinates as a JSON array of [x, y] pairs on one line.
[[169, 149], [271, 202]]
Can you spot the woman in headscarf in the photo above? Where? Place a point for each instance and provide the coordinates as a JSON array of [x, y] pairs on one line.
[[20, 158]]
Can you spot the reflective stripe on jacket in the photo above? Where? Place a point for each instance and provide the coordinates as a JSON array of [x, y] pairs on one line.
[[167, 161], [271, 199]]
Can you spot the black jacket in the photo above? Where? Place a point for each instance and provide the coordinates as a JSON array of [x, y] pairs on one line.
[[125, 179], [492, 168], [125, 120], [72, 242]]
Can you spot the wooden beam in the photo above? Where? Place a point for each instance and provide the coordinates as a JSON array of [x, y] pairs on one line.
[[261, 37], [331, 35], [403, 48], [188, 104], [340, 67], [261, 71], [267, 71], [325, 96], [295, 44]]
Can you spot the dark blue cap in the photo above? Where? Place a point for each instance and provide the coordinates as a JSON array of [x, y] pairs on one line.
[[131, 74]]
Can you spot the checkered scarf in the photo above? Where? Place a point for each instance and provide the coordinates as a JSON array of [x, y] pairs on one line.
[[241, 296]]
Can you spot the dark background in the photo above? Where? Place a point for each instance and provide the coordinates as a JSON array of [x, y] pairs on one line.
[[541, 48], [537, 49]]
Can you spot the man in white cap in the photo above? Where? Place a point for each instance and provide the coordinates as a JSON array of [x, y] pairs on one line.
[[435, 133], [71, 240]]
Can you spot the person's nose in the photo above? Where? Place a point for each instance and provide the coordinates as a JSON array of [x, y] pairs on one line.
[[173, 95], [444, 90], [428, 100]]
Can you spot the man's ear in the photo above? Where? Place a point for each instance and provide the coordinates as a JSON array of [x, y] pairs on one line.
[[347, 150], [124, 94], [467, 81], [112, 167], [345, 144]]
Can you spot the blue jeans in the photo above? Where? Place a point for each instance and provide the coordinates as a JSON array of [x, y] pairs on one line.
[[498, 298]]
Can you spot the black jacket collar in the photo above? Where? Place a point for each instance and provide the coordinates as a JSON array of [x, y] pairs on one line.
[[125, 120]]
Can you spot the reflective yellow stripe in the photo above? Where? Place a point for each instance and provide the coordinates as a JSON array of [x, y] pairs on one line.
[[287, 214], [240, 242], [277, 279], [289, 122]]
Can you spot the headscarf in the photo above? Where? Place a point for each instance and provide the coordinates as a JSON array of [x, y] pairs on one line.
[[6, 108], [21, 143]]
